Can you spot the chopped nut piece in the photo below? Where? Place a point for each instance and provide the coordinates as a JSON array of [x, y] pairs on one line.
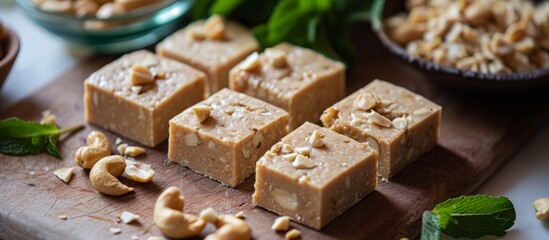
[[136, 89], [139, 172], [400, 122], [202, 112], [315, 140], [257, 138], [287, 148], [239, 215], [281, 224], [47, 117], [118, 141], [304, 179], [290, 157], [141, 75], [366, 101], [133, 151], [378, 119], [128, 217], [292, 234], [191, 139], [284, 198], [115, 231], [250, 63], [208, 215], [215, 28], [65, 174], [303, 162], [122, 148], [62, 217], [329, 116], [542, 209], [305, 151], [275, 57]]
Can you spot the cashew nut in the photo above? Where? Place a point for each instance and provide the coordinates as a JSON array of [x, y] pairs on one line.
[[542, 209], [104, 173], [170, 219], [230, 227], [97, 147]]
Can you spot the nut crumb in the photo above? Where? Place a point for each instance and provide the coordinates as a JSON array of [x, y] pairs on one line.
[[62, 217], [293, 234], [275, 57], [378, 119], [47, 117], [304, 179], [250, 63], [128, 217], [202, 112], [400, 122], [136, 89], [287, 148], [140, 75], [290, 157], [281, 224], [191, 139], [133, 151], [542, 209], [115, 231], [118, 141], [122, 148], [240, 215], [366, 101], [305, 151], [65, 174]]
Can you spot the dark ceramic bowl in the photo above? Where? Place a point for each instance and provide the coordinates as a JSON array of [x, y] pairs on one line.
[[10, 45], [458, 78]]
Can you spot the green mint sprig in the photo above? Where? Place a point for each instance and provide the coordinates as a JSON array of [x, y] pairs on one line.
[[18, 137], [469, 217]]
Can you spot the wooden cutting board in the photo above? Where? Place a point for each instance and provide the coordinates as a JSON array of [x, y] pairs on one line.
[[478, 133]]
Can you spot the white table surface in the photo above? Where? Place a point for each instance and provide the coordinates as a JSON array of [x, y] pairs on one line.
[[524, 178]]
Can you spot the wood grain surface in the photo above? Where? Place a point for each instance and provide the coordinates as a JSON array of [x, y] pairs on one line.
[[478, 133]]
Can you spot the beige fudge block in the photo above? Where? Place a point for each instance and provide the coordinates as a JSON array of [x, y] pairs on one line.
[[304, 83], [411, 121], [215, 57], [227, 143], [314, 190], [141, 112]]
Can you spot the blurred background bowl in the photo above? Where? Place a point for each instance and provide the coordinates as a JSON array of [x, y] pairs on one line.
[[458, 78], [10, 46], [120, 33]]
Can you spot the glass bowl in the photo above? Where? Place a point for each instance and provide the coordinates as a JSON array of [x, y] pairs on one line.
[[121, 33]]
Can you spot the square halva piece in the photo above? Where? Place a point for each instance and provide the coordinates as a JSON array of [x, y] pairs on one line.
[[136, 95], [296, 79], [314, 175], [398, 123], [213, 46], [223, 136]]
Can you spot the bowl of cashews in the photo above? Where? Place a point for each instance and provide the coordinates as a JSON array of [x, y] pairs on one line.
[[487, 45], [109, 26]]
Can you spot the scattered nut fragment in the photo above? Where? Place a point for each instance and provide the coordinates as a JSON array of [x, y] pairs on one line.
[[276, 58], [122, 148], [62, 217], [202, 112], [118, 141], [287, 148], [293, 234], [281, 224], [329, 116], [141, 75], [191, 139], [250, 63], [378, 119], [139, 172], [303, 162], [97, 147], [400, 122], [103, 175], [215, 28], [315, 140], [239, 215], [133, 151], [136, 89], [366, 101], [208, 215], [542, 209], [170, 219], [290, 157], [47, 117], [115, 231], [65, 174], [128, 217], [304, 179], [231, 227]]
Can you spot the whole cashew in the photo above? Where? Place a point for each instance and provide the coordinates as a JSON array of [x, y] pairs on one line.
[[170, 219], [97, 147], [230, 227], [104, 173]]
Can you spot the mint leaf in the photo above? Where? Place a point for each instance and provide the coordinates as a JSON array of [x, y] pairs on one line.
[[225, 7], [476, 216], [431, 226], [19, 137]]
